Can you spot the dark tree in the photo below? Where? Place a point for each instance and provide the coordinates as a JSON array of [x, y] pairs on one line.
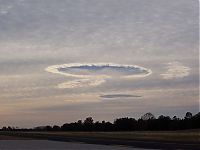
[[146, 122], [56, 128], [125, 124], [88, 120], [88, 124], [148, 116], [188, 115]]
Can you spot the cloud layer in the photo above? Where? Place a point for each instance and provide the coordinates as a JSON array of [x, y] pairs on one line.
[[110, 96], [96, 73], [176, 70], [35, 34]]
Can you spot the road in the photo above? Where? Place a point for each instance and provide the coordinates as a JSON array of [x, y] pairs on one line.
[[33, 139], [55, 145]]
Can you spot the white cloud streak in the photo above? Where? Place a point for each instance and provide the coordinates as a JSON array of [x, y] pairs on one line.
[[176, 70], [81, 83]]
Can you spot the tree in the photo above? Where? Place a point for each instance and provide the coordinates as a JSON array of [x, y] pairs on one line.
[[88, 120], [88, 124], [146, 123], [4, 128], [125, 124], [175, 118], [48, 128], [188, 115], [79, 122], [56, 128], [163, 122], [148, 116]]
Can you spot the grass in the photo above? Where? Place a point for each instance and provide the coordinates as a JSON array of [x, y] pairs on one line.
[[189, 136]]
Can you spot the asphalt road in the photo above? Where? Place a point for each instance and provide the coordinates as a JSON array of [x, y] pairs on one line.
[[55, 145], [131, 143], [89, 141]]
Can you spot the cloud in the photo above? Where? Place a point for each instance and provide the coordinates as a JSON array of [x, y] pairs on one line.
[[5, 9], [94, 74], [81, 83], [119, 96], [175, 70]]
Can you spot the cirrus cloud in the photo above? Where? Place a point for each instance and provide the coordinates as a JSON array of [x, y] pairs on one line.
[[176, 70], [81, 83], [111, 96]]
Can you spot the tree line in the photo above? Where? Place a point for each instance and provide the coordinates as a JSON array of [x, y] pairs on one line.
[[148, 122]]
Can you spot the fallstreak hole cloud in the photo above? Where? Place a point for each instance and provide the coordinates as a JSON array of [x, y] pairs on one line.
[[94, 74]]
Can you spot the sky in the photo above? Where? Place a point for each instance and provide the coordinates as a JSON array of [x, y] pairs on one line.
[[61, 61]]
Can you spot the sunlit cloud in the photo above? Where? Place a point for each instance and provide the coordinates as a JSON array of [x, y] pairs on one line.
[[95, 74], [176, 70]]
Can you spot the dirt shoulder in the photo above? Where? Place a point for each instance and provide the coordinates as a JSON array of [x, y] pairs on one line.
[[7, 137]]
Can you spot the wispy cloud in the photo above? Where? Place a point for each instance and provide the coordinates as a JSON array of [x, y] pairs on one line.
[[176, 70], [81, 83], [119, 96], [5, 9]]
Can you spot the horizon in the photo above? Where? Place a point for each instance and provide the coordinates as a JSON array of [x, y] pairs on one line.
[[62, 61], [147, 118]]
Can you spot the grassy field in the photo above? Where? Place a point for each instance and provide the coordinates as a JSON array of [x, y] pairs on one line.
[[189, 136]]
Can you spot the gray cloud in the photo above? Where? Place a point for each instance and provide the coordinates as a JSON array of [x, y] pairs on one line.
[[119, 96], [35, 34]]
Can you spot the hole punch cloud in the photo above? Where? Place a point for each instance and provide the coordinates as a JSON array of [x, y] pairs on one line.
[[94, 74], [176, 70]]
